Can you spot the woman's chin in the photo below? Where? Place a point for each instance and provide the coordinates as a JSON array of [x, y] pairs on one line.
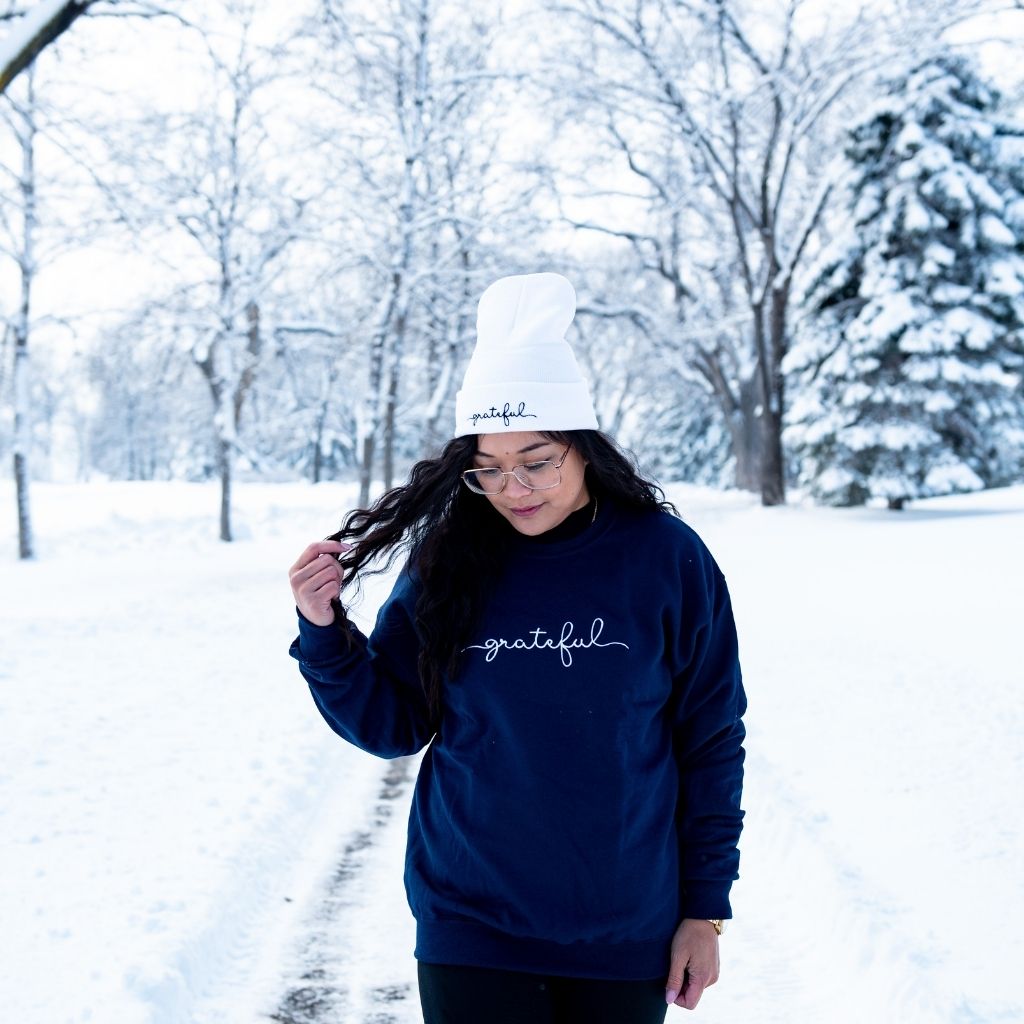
[[532, 522]]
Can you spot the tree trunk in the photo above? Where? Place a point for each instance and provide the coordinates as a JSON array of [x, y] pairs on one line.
[[366, 468], [26, 546], [34, 31], [391, 402], [228, 400], [745, 433], [389, 430], [22, 403], [773, 489], [224, 458], [318, 440], [253, 349], [22, 435], [133, 469], [378, 369], [772, 349], [224, 409]]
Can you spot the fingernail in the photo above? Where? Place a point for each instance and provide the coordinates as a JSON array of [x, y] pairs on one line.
[[671, 995]]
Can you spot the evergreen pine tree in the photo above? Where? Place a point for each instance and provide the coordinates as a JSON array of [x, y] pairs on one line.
[[907, 376]]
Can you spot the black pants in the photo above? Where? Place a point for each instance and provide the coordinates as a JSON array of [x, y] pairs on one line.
[[480, 995]]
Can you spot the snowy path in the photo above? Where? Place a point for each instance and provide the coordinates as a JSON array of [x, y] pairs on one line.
[[353, 962]]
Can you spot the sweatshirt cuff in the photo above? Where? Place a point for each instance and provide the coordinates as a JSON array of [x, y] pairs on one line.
[[707, 901], [319, 643]]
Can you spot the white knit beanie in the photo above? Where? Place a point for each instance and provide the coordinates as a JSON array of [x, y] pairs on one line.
[[523, 374]]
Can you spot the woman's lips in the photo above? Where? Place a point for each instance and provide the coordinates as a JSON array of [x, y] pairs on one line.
[[523, 512]]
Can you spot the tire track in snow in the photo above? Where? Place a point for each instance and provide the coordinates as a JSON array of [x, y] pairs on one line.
[[818, 940], [338, 978]]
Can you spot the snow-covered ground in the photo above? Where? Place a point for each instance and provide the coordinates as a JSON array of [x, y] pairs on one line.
[[183, 841]]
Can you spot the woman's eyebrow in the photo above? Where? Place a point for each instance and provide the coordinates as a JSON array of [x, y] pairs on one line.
[[522, 451]]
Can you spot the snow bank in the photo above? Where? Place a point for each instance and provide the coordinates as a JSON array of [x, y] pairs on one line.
[[162, 767]]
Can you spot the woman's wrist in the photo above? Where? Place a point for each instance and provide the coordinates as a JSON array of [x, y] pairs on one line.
[[303, 618]]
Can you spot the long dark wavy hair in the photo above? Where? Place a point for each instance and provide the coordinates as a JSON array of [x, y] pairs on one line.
[[457, 542]]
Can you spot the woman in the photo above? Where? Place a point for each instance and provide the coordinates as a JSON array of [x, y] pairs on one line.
[[564, 647]]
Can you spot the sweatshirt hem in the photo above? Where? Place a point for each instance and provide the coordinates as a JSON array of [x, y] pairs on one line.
[[470, 944]]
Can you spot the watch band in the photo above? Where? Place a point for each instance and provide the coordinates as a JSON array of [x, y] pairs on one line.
[[717, 923]]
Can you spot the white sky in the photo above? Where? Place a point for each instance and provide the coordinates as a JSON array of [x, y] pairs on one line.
[[136, 64]]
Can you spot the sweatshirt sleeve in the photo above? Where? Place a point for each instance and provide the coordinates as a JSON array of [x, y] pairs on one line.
[[370, 694], [708, 743]]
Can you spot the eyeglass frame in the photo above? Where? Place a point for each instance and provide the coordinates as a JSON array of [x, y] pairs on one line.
[[512, 472]]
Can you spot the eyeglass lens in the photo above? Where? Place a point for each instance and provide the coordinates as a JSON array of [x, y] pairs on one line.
[[535, 475]]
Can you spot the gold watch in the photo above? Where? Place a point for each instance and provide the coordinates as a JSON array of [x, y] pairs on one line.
[[717, 924]]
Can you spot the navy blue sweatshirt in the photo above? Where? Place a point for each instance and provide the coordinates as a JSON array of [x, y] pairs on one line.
[[583, 796]]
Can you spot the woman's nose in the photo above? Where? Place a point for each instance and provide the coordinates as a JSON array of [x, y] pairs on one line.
[[515, 487]]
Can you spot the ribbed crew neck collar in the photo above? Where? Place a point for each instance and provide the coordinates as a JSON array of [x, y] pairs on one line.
[[572, 526], [576, 537]]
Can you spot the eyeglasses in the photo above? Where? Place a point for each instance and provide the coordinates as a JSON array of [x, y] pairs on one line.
[[538, 476]]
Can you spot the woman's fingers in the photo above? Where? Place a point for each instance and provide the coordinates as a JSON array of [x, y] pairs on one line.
[[315, 550], [312, 560], [316, 579], [328, 590], [328, 574], [320, 570], [325, 574]]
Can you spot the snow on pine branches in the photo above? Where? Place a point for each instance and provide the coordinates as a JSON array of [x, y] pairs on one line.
[[906, 380]]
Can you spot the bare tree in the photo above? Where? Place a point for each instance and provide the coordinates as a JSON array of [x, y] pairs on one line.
[[48, 207], [32, 236], [21, 226], [228, 211]]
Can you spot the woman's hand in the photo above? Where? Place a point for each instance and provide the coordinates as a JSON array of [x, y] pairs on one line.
[[316, 580], [694, 962]]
